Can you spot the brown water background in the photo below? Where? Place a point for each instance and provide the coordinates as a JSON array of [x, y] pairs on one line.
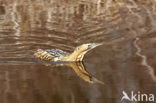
[[126, 61]]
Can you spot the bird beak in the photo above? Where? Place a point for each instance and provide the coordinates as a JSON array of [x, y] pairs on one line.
[[94, 80], [93, 45], [97, 44]]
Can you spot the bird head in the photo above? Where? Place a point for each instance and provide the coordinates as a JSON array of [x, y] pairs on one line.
[[88, 46], [81, 50]]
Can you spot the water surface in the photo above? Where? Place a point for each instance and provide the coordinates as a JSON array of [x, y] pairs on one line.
[[126, 61]]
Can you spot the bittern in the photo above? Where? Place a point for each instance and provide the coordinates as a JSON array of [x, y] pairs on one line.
[[60, 55]]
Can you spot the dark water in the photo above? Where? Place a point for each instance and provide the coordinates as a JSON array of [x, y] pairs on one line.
[[126, 61]]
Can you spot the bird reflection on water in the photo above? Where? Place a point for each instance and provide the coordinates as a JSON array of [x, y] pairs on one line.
[[80, 70], [73, 60]]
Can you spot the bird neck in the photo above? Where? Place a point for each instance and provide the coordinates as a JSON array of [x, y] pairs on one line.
[[77, 55]]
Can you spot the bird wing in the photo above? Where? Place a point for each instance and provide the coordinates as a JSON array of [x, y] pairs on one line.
[[50, 54], [56, 52]]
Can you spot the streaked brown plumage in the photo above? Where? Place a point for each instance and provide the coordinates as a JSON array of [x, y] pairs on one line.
[[59, 55]]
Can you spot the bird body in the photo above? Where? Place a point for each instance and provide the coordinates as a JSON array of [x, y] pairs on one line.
[[60, 55], [50, 54]]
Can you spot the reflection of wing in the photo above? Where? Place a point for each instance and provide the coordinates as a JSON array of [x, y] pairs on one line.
[[80, 70], [125, 96]]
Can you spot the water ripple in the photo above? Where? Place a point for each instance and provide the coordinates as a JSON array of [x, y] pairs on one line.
[[144, 59], [32, 25]]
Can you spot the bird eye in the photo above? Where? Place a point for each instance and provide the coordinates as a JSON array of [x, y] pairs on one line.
[[78, 48], [89, 46]]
